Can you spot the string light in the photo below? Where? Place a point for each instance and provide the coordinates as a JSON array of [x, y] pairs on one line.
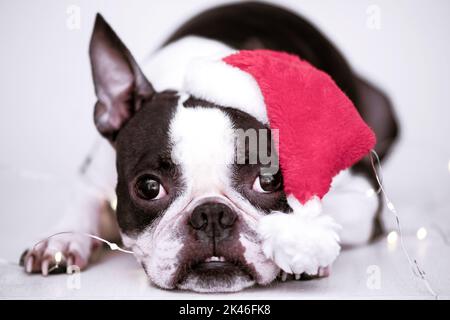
[[370, 192], [113, 246], [414, 265], [421, 233], [58, 257], [392, 238]]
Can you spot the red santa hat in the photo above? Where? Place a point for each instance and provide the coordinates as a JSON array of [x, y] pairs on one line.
[[320, 134], [320, 130]]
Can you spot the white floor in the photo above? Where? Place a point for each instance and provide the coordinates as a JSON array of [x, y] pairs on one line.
[[46, 130], [377, 271]]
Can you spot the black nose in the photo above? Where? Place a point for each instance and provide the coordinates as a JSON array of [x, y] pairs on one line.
[[213, 220]]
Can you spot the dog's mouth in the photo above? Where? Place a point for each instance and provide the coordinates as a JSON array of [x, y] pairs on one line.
[[214, 266], [216, 274]]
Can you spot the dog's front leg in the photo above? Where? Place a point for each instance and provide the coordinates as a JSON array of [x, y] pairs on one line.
[[88, 213], [353, 203]]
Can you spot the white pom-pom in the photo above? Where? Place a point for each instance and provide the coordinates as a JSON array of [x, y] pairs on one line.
[[301, 241]]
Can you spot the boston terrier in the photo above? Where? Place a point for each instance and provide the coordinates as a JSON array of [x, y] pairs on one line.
[[188, 218]]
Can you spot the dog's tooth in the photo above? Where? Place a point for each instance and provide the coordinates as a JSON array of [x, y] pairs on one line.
[[29, 264], [283, 276], [214, 258], [297, 276]]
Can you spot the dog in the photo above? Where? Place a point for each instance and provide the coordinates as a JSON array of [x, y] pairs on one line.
[[190, 220]]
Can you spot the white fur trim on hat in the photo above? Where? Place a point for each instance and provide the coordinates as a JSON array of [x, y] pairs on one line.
[[301, 241], [223, 84]]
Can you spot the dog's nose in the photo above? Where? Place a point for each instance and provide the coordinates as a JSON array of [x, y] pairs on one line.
[[213, 219]]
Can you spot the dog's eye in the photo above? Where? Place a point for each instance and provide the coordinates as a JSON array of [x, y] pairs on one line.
[[149, 188], [266, 183]]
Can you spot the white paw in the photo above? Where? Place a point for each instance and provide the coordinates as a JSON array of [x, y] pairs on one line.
[[56, 253]]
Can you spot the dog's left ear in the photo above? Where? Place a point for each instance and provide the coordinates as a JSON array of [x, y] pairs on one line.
[[120, 85]]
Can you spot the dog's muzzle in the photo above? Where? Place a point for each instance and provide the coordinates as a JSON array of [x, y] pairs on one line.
[[213, 258]]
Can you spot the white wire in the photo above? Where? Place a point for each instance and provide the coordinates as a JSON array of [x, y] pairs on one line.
[[416, 269], [113, 246]]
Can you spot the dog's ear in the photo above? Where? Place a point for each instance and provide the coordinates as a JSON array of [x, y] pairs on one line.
[[120, 85]]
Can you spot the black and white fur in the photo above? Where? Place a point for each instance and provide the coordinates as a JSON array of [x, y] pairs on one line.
[[152, 127]]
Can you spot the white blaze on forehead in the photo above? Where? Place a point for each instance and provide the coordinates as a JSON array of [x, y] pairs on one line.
[[203, 146]]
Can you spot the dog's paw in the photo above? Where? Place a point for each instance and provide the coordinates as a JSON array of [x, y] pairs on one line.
[[55, 254]]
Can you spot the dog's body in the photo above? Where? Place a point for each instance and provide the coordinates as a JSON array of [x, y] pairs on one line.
[[190, 220]]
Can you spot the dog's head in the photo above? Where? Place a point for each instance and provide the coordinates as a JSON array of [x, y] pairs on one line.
[[186, 206]]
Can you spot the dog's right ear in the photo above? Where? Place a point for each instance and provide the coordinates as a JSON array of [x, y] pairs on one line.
[[119, 83]]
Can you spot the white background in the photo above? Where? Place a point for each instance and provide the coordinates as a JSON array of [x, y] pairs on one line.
[[47, 97]]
